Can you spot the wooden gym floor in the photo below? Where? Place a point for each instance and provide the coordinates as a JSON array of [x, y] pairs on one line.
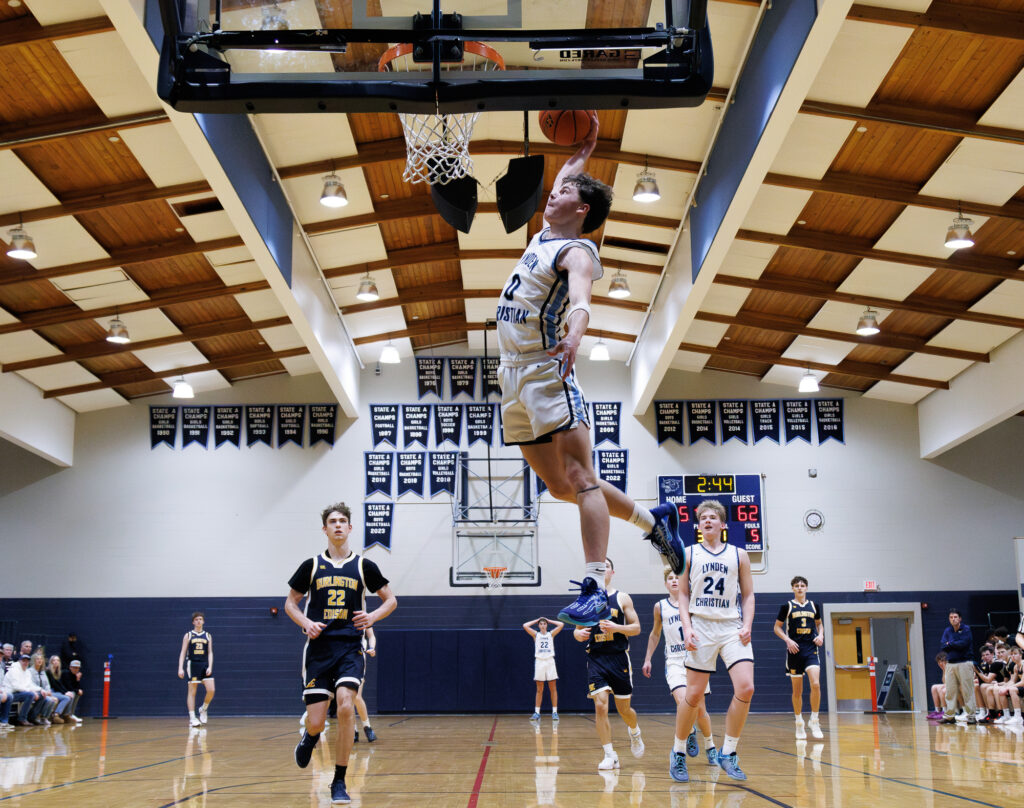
[[484, 761]]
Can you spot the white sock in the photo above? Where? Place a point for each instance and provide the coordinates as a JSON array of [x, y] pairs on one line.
[[608, 751], [595, 570], [641, 517], [554, 711], [679, 745], [729, 745], [634, 731], [709, 741], [799, 717], [814, 716], [366, 724]]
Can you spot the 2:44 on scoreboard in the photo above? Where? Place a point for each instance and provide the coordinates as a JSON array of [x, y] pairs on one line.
[[740, 494]]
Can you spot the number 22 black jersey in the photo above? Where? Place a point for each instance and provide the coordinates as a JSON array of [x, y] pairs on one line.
[[335, 590]]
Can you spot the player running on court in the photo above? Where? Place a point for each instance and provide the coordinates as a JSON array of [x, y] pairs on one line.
[[799, 627], [543, 313], [334, 584], [717, 612], [195, 665], [544, 669], [667, 623]]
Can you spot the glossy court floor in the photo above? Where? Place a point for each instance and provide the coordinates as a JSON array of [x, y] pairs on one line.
[[486, 761]]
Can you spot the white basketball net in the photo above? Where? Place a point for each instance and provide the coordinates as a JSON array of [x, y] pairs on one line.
[[495, 576]]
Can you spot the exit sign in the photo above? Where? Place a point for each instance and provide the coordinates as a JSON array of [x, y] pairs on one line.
[[871, 586]]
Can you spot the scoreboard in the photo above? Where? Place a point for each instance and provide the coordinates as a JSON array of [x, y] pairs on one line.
[[740, 494]]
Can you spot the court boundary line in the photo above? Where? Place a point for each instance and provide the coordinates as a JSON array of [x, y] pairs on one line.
[[97, 777]]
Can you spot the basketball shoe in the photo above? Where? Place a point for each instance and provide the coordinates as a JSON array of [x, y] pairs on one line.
[[815, 728], [712, 753], [339, 796], [202, 714], [801, 732], [677, 767], [636, 743], [193, 721], [304, 749], [731, 766], [610, 761], [371, 736], [665, 536], [691, 743], [590, 608]]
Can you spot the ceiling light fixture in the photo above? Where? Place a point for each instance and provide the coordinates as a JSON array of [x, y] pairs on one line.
[[646, 188], [599, 353], [274, 18], [333, 194], [619, 286], [808, 383], [117, 331], [22, 246], [182, 389], [368, 289], [959, 234], [867, 325], [389, 355]]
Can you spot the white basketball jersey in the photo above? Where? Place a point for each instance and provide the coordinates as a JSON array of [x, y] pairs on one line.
[[543, 645], [714, 582], [536, 296], [670, 630]]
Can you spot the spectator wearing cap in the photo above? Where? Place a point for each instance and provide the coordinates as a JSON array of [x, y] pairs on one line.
[[19, 680], [72, 681]]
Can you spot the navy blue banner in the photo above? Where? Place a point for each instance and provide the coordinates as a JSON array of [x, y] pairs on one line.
[[291, 422], [443, 468], [163, 426], [733, 417], [766, 421], [491, 376], [700, 418], [322, 421], [462, 376], [480, 423], [613, 467], [378, 472], [669, 419], [607, 415], [796, 413], [227, 426], [259, 423], [415, 425], [410, 473], [377, 519], [383, 424], [428, 375], [447, 423], [828, 413], [195, 425]]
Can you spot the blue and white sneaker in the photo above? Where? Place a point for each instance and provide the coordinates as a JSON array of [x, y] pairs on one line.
[[712, 754], [590, 608], [677, 767], [665, 536], [339, 796], [691, 744], [535, 716], [731, 767]]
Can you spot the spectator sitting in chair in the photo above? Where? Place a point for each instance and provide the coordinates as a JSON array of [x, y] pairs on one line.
[[38, 673], [65, 696], [19, 681], [72, 681]]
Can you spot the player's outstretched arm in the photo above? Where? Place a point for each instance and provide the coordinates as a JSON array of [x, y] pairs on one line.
[[577, 163]]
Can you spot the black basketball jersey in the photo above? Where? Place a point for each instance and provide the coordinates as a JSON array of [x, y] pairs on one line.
[[335, 590], [798, 619], [198, 646], [611, 642]]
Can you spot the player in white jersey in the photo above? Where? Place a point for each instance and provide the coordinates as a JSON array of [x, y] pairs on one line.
[[544, 662], [667, 623], [717, 613], [543, 313]]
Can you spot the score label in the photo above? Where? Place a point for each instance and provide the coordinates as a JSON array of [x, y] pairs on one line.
[[741, 494]]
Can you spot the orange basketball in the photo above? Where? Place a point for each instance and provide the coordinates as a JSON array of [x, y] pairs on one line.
[[566, 127]]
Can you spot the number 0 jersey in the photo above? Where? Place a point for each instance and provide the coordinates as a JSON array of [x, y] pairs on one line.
[[335, 590], [536, 296], [714, 582]]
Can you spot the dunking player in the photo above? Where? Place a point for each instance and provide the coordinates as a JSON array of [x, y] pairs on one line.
[[334, 584], [717, 612], [543, 313], [799, 626], [667, 623], [195, 665]]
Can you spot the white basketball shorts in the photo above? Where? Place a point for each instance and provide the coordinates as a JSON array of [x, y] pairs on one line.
[[675, 674], [717, 638], [544, 669], [536, 402]]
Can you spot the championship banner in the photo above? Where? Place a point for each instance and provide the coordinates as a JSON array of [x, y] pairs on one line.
[[480, 423], [163, 426], [765, 417], [700, 417], [415, 425], [606, 422], [378, 472], [259, 423], [377, 517], [195, 425], [447, 423], [612, 467], [796, 413], [227, 426], [443, 466], [322, 421], [383, 424], [828, 413], [733, 416], [462, 376], [428, 375], [669, 418], [410, 473], [291, 418], [491, 376]]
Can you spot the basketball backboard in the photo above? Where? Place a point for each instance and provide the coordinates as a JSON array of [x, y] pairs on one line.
[[325, 55]]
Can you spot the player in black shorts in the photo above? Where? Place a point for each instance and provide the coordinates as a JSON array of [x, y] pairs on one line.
[[195, 665], [799, 626], [334, 585]]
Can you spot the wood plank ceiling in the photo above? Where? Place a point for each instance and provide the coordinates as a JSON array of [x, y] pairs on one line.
[[851, 216]]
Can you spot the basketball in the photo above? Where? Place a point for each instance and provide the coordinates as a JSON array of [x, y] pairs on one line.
[[566, 127]]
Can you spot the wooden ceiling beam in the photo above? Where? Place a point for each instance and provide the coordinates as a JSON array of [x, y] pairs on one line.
[[805, 287], [791, 325], [964, 19], [25, 30], [452, 290]]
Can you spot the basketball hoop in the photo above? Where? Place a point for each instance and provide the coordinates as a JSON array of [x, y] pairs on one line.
[[495, 576], [437, 145]]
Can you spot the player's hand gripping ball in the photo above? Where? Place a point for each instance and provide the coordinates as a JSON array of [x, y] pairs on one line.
[[566, 127]]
